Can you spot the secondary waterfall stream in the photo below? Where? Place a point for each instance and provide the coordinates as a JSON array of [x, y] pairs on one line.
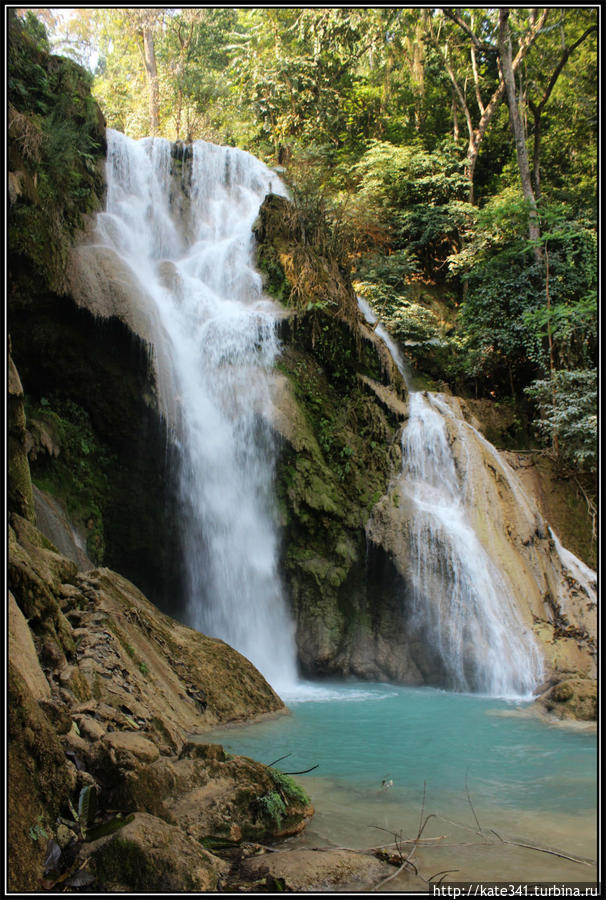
[[461, 604], [460, 598], [187, 244]]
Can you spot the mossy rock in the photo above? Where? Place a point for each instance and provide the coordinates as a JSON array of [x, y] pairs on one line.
[[151, 856], [573, 698], [20, 495], [39, 785]]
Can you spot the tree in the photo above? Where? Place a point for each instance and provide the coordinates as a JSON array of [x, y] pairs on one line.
[[144, 23], [487, 49], [508, 78], [559, 57]]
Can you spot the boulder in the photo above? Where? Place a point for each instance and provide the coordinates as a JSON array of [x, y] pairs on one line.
[[23, 652], [318, 870], [572, 698], [39, 785], [149, 855]]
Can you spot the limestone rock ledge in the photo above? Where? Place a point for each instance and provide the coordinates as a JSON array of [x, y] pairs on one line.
[[106, 789]]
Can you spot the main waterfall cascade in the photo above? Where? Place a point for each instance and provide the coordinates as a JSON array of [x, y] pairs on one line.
[[186, 240]]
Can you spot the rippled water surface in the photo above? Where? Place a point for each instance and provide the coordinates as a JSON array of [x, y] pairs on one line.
[[380, 748]]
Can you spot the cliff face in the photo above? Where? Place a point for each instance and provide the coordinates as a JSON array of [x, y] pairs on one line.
[[339, 404], [96, 439], [340, 407], [104, 692]]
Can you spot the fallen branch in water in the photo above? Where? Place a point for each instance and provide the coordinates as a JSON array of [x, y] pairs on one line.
[[407, 862], [471, 804], [303, 771], [279, 759], [582, 860]]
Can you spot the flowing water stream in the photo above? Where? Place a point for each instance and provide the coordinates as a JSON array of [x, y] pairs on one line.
[[187, 244], [461, 603]]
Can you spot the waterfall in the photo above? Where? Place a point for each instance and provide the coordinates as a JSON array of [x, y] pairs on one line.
[[460, 603], [180, 218]]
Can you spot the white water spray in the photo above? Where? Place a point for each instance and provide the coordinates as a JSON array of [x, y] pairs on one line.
[[461, 605], [461, 601], [187, 241]]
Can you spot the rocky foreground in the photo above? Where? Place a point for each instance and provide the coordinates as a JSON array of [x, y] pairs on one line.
[[107, 790]]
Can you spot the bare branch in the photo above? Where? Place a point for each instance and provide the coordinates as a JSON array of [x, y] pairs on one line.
[[454, 16], [558, 69]]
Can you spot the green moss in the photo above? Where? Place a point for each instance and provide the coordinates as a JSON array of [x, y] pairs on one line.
[[273, 807], [79, 686], [289, 789], [80, 472], [21, 498], [125, 862]]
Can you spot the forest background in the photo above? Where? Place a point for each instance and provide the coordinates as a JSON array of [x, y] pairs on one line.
[[452, 151]]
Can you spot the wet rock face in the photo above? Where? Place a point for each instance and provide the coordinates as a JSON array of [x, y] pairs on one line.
[[347, 528], [20, 496], [339, 403], [105, 370]]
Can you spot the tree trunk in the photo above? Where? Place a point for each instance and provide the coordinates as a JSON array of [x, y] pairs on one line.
[[151, 71], [505, 59], [470, 168], [536, 153], [554, 436], [455, 119], [476, 135]]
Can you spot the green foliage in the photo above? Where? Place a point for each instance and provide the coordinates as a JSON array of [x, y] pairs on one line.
[[515, 299], [56, 139], [272, 805], [288, 788], [393, 270], [419, 195], [568, 415], [87, 805], [409, 175], [37, 830], [408, 322]]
